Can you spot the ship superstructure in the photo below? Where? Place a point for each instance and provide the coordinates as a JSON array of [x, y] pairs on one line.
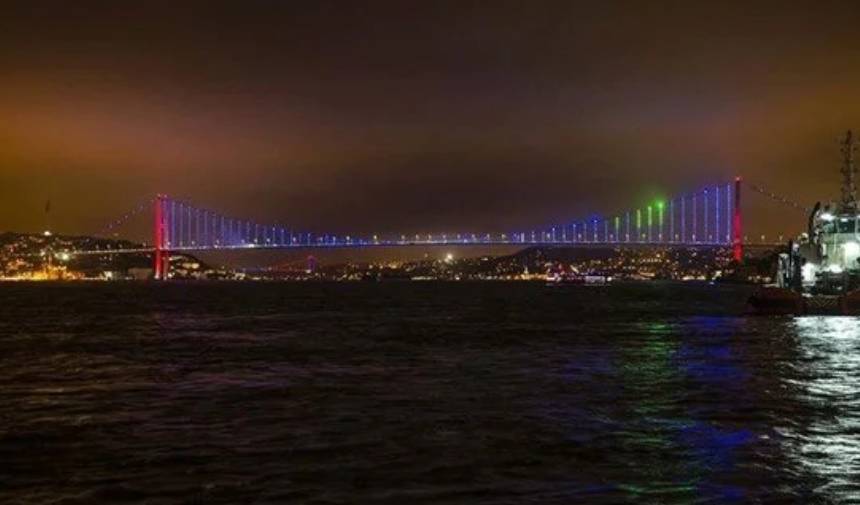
[[824, 261]]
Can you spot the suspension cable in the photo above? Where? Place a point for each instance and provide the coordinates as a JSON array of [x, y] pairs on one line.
[[107, 229], [780, 199]]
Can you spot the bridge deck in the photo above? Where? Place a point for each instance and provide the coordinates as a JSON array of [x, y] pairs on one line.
[[391, 244]]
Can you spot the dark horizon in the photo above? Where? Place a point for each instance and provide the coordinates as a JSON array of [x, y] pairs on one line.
[[393, 117]]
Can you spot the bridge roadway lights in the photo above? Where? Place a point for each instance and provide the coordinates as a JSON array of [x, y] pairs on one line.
[[176, 225]]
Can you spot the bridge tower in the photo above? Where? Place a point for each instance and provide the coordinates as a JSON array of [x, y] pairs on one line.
[[737, 237], [161, 256]]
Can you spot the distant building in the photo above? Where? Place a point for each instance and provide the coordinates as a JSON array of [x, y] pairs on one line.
[[140, 274]]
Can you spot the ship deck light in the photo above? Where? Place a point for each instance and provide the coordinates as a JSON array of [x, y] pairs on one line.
[[807, 272], [834, 269]]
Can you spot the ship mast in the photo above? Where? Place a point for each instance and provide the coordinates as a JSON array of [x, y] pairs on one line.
[[849, 173]]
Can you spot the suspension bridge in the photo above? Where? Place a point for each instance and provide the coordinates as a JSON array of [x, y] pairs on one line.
[[709, 217]]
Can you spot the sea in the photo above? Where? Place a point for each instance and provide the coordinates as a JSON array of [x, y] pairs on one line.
[[421, 393]]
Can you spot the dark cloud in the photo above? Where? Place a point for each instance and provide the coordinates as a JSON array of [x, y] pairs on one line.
[[417, 116]]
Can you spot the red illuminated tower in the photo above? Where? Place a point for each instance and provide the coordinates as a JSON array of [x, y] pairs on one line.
[[737, 241], [162, 256]]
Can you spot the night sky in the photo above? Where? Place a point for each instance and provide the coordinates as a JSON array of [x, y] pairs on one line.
[[417, 116]]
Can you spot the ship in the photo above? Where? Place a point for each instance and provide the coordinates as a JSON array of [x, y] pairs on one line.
[[819, 272]]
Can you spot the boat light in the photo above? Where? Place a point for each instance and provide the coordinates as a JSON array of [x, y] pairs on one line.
[[807, 272], [851, 248], [827, 217]]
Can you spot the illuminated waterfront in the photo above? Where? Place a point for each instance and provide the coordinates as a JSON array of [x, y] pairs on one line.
[[430, 392], [39, 257]]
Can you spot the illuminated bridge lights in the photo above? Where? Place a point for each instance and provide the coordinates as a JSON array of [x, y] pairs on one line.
[[650, 223], [709, 217]]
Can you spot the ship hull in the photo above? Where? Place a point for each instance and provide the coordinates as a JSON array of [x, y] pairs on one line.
[[782, 301]]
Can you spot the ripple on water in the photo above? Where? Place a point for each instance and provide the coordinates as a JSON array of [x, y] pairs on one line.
[[430, 393]]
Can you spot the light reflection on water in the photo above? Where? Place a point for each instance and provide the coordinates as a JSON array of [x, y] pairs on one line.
[[432, 393], [829, 370]]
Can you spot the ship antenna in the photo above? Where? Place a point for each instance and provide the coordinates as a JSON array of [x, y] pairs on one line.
[[849, 172]]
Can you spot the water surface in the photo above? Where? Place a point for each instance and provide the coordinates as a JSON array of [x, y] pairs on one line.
[[442, 393]]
